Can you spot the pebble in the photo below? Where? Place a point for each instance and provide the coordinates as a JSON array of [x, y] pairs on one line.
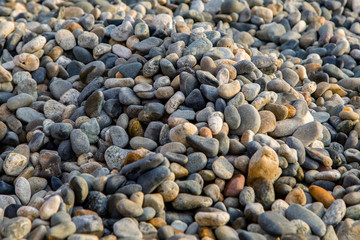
[[212, 219], [22, 190], [14, 163], [50, 207], [222, 168], [65, 39]]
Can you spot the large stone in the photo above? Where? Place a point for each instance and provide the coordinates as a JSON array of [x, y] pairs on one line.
[[264, 164]]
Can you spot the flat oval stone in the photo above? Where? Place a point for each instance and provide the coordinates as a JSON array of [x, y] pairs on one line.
[[275, 224], [250, 119], [50, 207], [223, 168], [22, 190], [212, 219], [296, 211], [186, 201], [335, 212]]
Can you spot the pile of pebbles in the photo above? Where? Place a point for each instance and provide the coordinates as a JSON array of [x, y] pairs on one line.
[[179, 119]]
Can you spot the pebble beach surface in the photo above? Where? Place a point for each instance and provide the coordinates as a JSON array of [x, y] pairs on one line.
[[180, 119]]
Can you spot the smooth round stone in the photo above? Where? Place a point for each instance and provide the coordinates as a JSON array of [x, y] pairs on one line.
[[141, 142], [22, 190], [65, 39], [88, 40], [169, 190], [16, 228], [232, 117], [128, 208], [79, 141], [18, 101], [229, 90], [50, 207], [34, 45], [121, 51], [92, 70], [118, 136], [196, 162], [223, 168], [275, 224], [127, 228], [212, 219], [14, 164], [6, 28], [82, 55]]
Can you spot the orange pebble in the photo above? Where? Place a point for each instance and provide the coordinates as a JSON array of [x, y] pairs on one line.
[[321, 195], [296, 196], [205, 132], [347, 109], [157, 222], [291, 111], [72, 26], [136, 155]]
